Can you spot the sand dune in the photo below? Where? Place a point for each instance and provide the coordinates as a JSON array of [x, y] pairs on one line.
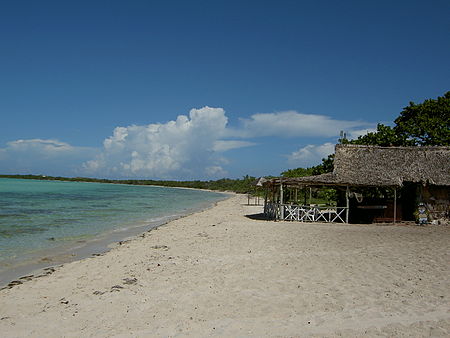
[[219, 273]]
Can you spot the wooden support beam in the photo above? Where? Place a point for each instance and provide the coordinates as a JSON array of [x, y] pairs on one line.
[[347, 193], [395, 205], [281, 202]]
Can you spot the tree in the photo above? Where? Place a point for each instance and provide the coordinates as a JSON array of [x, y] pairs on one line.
[[298, 172], [385, 136], [326, 166], [427, 123]]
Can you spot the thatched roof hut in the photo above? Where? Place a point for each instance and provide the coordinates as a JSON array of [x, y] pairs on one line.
[[421, 173], [358, 165]]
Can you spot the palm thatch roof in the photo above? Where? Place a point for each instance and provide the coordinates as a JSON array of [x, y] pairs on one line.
[[260, 182], [358, 165]]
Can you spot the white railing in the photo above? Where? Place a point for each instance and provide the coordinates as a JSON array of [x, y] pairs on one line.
[[304, 213]]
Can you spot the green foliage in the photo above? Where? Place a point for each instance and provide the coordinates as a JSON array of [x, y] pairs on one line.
[[427, 123], [385, 136], [326, 166], [298, 172]]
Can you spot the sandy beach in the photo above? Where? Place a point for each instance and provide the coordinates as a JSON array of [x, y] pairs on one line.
[[222, 273]]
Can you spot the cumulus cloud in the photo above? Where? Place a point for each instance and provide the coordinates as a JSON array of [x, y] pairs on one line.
[[51, 157], [185, 148], [310, 155], [294, 124]]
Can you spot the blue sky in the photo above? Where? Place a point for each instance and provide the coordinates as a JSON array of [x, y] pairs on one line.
[[207, 89]]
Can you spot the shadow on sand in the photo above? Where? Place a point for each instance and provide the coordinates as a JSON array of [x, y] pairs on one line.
[[257, 217]]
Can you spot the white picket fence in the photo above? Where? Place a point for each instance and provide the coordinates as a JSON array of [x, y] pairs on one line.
[[303, 213]]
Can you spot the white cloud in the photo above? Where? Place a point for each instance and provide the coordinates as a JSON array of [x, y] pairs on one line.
[[294, 124], [356, 133], [215, 171], [47, 148], [50, 157], [180, 148], [221, 146], [310, 155]]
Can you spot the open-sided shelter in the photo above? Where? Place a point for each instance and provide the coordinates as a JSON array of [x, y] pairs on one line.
[[409, 175]]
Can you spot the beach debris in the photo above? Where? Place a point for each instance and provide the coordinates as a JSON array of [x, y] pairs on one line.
[[163, 247], [48, 271], [116, 288], [64, 301], [28, 277], [98, 293], [129, 281], [203, 234], [51, 238], [46, 259], [13, 283]]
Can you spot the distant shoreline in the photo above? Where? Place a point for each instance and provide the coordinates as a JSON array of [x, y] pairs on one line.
[[244, 185]]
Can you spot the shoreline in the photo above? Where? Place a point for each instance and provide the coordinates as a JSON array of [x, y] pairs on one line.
[[53, 258], [224, 272]]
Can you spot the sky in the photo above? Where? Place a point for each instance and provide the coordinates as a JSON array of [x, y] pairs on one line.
[[207, 89]]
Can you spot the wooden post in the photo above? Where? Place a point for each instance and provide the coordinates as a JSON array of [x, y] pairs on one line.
[[347, 193], [395, 205], [281, 201], [266, 195]]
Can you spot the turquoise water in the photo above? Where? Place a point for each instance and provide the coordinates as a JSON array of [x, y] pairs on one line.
[[43, 218]]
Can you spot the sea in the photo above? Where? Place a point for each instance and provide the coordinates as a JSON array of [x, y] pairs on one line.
[[47, 223]]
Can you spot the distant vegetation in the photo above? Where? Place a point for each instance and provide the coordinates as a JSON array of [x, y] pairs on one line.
[[244, 185]]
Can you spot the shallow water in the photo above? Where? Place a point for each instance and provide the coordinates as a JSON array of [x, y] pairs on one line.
[[41, 220]]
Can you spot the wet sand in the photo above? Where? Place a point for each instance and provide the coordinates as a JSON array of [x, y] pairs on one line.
[[221, 273]]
